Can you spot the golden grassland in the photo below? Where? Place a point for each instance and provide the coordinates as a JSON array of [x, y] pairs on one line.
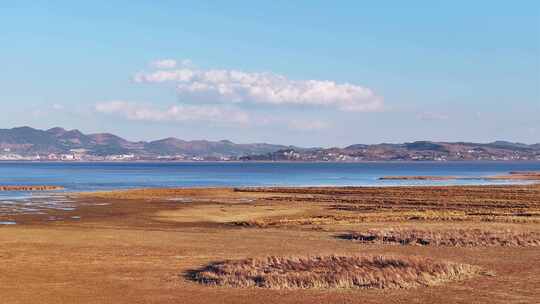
[[279, 245]]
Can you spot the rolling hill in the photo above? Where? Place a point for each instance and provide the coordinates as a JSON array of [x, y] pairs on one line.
[[30, 141]]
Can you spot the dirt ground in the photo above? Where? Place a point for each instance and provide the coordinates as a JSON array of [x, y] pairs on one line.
[[139, 246]]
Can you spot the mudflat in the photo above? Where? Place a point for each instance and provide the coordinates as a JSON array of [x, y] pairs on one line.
[[150, 245]]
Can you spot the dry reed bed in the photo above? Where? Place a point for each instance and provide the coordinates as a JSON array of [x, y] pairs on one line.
[[325, 272], [389, 216], [350, 205], [440, 196], [450, 237]]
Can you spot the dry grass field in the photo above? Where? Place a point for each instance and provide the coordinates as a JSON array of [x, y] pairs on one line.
[[477, 244]]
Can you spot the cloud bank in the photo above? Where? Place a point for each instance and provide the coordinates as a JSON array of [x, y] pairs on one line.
[[175, 113], [432, 116], [169, 63], [236, 87], [311, 125], [236, 97]]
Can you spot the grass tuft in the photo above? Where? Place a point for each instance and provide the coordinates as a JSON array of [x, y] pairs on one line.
[[323, 272]]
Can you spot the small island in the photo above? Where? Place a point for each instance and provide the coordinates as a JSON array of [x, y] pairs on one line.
[[30, 188], [532, 175]]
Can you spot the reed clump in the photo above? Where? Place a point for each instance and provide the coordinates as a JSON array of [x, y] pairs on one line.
[[448, 237], [329, 272]]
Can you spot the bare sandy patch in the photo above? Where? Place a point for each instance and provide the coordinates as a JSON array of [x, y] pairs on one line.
[[224, 213]]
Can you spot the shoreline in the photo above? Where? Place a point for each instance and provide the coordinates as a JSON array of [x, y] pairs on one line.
[[67, 192], [269, 161], [153, 193]]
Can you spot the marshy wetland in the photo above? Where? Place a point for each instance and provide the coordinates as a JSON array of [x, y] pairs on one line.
[[432, 244]]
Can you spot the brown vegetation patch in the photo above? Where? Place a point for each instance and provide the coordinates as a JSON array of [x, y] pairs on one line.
[[384, 272], [509, 204], [526, 175], [163, 194], [421, 177], [389, 216], [451, 237], [30, 188], [510, 176]]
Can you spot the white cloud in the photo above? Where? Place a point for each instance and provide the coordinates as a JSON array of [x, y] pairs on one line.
[[230, 86], [164, 64], [432, 116], [311, 125], [57, 107], [38, 113], [170, 63], [175, 113]]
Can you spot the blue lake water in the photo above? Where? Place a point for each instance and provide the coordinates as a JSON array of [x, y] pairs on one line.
[[103, 176], [106, 176]]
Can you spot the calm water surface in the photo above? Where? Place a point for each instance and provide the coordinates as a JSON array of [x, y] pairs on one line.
[[103, 176], [106, 176]]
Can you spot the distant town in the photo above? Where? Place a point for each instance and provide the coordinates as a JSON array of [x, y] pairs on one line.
[[81, 155], [58, 144]]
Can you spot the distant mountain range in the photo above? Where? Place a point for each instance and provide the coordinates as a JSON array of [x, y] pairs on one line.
[[28, 141], [58, 143], [415, 151]]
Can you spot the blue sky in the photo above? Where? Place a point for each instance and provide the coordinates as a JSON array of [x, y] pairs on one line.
[[312, 73]]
